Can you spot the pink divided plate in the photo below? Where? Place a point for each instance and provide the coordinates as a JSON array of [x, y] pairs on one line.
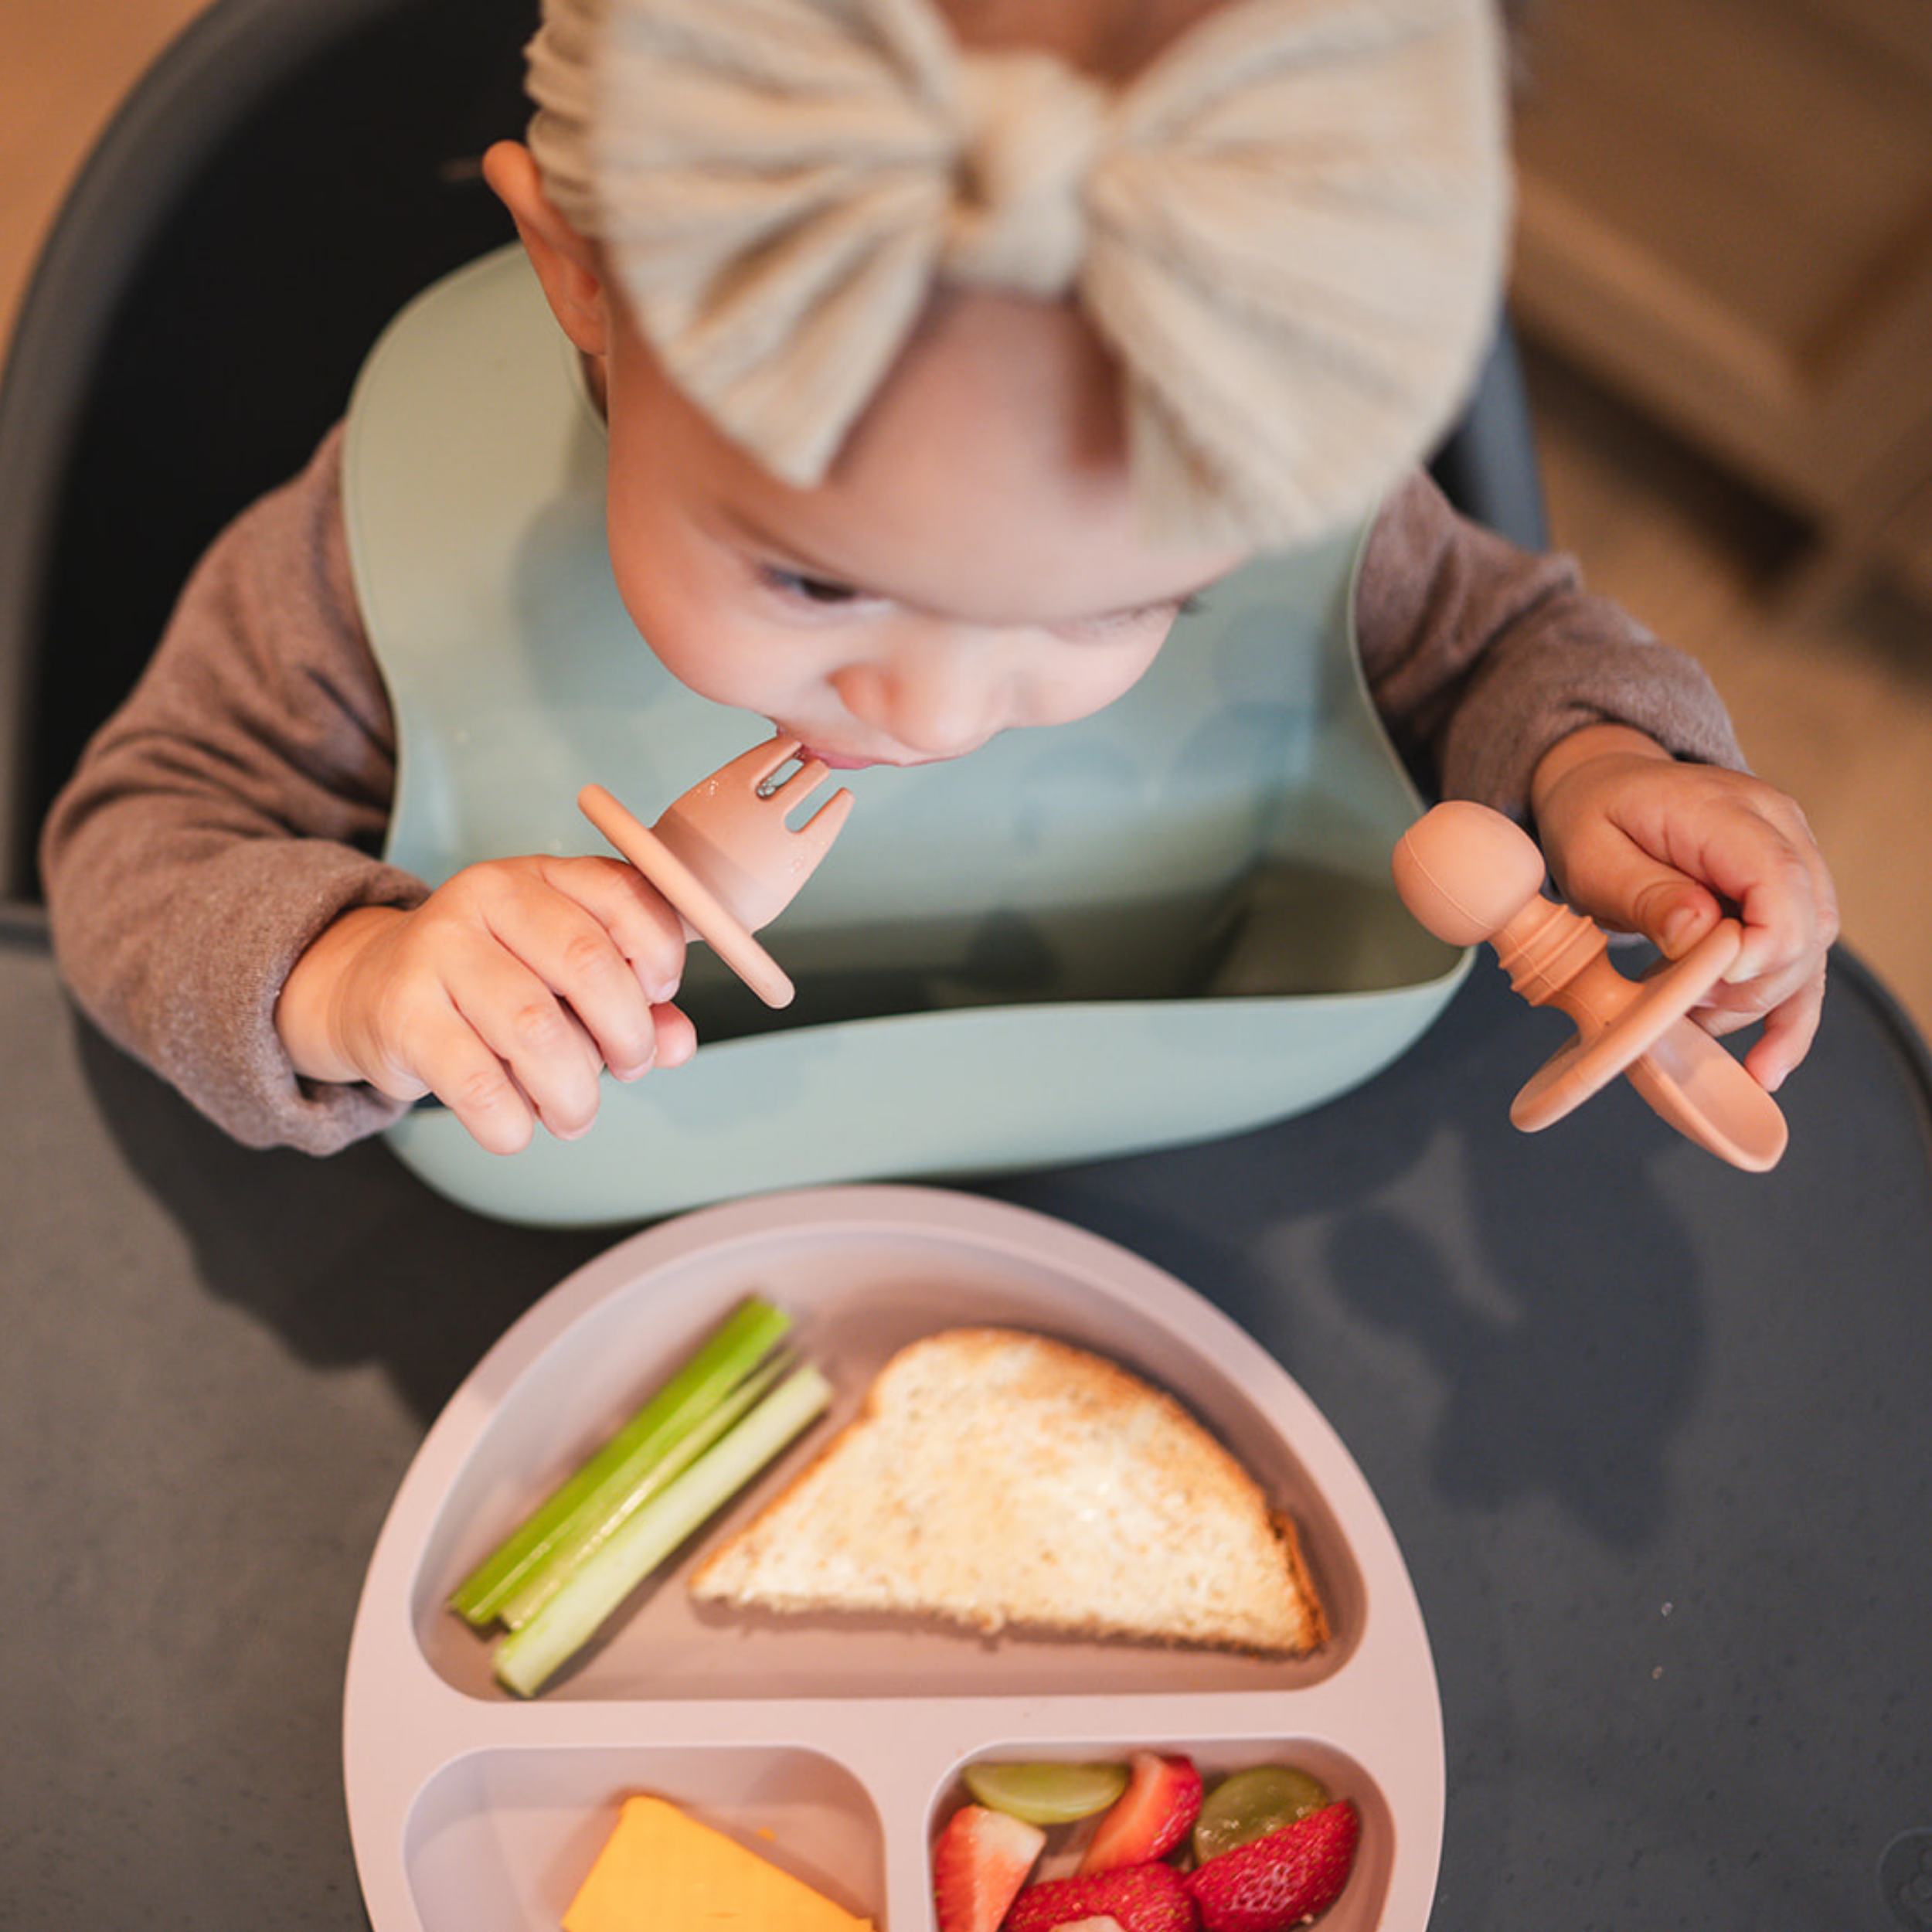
[[833, 1746]]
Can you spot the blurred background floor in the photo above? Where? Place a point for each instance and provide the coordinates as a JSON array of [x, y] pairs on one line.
[[1834, 704]]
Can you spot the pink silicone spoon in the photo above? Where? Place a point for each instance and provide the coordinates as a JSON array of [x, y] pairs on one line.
[[724, 856], [1469, 873]]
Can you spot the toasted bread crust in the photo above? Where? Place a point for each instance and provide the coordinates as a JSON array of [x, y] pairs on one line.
[[994, 1477]]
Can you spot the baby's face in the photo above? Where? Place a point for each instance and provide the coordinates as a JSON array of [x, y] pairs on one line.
[[973, 562]]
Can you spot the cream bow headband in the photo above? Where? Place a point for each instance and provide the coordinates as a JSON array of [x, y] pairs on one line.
[[1290, 227]]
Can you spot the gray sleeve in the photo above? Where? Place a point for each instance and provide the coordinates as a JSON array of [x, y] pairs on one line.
[[1481, 657], [230, 810]]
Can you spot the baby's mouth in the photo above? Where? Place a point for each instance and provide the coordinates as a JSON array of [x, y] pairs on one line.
[[861, 761]]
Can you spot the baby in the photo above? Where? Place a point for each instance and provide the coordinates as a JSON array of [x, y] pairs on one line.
[[948, 351]]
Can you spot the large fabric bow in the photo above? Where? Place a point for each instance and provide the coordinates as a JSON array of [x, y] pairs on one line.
[[1290, 227]]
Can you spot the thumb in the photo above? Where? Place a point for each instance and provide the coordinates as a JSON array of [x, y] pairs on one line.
[[1673, 913]]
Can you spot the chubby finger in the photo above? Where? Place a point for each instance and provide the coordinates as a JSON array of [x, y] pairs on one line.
[[1779, 975], [541, 1049], [473, 1083], [1754, 848], [1789, 1031], [601, 957], [1790, 924], [621, 965], [1790, 1027], [644, 925], [479, 1086], [677, 1037]]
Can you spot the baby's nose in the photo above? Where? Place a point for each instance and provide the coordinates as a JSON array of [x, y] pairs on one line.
[[940, 695]]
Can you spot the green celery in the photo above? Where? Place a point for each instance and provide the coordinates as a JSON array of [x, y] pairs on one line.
[[527, 1659], [725, 1358], [627, 1489]]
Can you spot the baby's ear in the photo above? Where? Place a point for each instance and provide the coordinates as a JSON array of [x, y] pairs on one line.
[[569, 264]]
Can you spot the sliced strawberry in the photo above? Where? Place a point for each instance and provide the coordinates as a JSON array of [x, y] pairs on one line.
[[1151, 1817], [1140, 1898], [979, 1864], [1280, 1879]]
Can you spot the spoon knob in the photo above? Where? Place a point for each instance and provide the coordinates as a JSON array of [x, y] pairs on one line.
[[1464, 872]]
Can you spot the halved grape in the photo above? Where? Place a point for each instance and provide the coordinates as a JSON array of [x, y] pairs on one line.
[[1247, 1805], [1045, 1794]]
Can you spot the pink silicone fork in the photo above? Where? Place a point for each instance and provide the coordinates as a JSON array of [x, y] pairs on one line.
[[1469, 873], [724, 856]]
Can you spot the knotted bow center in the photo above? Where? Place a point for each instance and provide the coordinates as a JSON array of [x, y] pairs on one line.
[[1031, 130]]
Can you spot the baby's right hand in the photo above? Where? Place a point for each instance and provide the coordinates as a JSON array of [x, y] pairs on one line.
[[506, 994]]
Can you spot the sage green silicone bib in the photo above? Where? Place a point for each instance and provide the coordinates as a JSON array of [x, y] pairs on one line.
[[1168, 922]]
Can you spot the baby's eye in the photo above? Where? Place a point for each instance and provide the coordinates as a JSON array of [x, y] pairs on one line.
[[1137, 617], [800, 584]]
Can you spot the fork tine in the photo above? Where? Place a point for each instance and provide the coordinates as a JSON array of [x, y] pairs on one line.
[[800, 784], [823, 826], [751, 770]]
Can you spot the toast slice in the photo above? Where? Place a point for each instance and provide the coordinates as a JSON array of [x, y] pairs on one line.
[[994, 1477]]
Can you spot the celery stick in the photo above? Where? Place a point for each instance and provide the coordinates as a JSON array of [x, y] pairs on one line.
[[626, 1490], [527, 1659], [730, 1352]]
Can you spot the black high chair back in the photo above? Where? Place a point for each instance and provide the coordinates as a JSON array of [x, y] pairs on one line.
[[285, 175], [283, 179]]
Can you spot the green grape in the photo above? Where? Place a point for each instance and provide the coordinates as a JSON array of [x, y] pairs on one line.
[[1046, 1794], [1247, 1805]]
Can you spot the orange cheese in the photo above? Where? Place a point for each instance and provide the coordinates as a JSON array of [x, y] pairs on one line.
[[662, 1872]]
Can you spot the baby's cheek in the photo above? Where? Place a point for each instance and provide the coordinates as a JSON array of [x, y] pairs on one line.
[[1081, 680]]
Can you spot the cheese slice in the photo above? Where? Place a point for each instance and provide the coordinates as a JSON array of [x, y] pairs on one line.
[[662, 1872]]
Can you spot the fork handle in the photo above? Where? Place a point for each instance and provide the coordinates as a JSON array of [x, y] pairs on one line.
[[695, 902]]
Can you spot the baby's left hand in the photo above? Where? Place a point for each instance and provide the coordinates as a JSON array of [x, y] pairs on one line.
[[1643, 844]]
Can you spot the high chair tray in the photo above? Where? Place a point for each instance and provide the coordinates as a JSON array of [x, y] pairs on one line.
[[834, 1747]]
